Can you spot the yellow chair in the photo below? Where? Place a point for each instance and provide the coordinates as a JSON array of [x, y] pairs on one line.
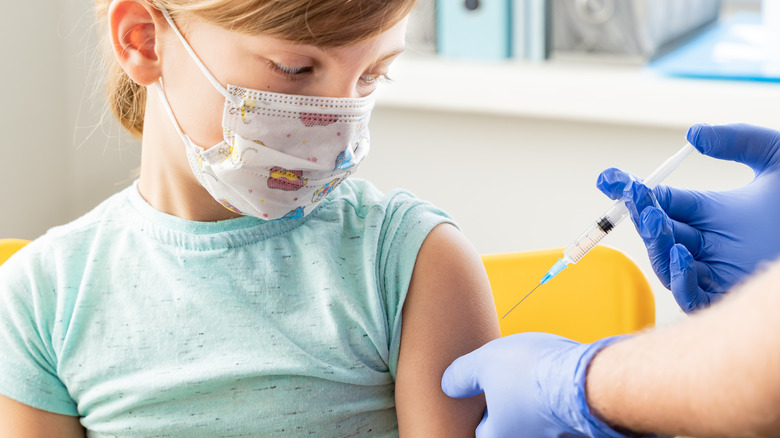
[[9, 246], [603, 294]]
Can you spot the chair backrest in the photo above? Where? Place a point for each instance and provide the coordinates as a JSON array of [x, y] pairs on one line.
[[9, 246], [603, 294]]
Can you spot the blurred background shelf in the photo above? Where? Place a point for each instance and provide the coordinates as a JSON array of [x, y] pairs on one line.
[[611, 93]]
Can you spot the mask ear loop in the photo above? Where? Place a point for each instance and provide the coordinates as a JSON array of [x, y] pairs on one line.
[[198, 62], [158, 86]]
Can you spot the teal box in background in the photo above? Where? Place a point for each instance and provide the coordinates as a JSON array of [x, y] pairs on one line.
[[474, 29]]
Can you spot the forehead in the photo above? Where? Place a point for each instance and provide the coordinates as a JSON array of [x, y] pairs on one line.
[[389, 42], [378, 47]]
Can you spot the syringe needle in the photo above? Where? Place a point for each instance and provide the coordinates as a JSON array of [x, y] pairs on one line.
[[518, 303]]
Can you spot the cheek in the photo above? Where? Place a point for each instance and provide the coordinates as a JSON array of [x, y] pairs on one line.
[[204, 117], [196, 104], [199, 112]]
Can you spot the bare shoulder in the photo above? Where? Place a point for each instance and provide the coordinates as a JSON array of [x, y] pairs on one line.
[[449, 280], [449, 311], [21, 421]]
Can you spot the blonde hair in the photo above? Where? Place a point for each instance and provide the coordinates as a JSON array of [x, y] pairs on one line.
[[324, 23]]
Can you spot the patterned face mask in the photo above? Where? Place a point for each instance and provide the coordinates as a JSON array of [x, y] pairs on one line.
[[281, 154]]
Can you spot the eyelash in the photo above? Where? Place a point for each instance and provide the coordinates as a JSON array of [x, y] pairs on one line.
[[295, 73], [289, 72]]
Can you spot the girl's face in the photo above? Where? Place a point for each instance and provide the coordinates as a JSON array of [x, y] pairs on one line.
[[264, 63]]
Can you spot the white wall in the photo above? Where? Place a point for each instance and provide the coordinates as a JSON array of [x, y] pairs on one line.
[[516, 184], [59, 158], [34, 171]]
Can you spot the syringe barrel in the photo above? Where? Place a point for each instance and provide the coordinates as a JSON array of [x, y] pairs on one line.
[[584, 244], [597, 231], [616, 213], [612, 217]]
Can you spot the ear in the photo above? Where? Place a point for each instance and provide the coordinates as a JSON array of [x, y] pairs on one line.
[[133, 28]]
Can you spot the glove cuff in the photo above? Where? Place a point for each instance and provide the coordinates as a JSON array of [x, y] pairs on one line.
[[596, 426]]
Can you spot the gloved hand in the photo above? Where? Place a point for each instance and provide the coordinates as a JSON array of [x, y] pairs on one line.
[[534, 384], [701, 243]]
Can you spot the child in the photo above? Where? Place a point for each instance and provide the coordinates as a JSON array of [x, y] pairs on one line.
[[244, 286]]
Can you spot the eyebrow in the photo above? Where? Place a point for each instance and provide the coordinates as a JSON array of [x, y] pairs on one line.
[[391, 54]]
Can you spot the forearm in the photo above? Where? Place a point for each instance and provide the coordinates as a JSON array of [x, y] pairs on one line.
[[713, 375]]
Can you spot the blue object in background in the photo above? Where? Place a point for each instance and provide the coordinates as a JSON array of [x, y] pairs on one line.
[[538, 27], [735, 48], [520, 37], [474, 29]]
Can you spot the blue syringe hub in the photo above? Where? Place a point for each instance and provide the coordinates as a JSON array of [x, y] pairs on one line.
[[559, 266]]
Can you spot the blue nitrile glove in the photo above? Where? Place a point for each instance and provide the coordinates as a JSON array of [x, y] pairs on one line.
[[701, 243], [534, 384]]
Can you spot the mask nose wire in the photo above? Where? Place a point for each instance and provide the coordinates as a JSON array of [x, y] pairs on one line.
[[233, 99]]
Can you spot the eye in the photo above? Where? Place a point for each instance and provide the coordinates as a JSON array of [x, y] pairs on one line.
[[290, 71], [373, 79]]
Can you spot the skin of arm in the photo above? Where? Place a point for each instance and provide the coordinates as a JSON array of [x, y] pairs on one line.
[[714, 375], [21, 421], [449, 311]]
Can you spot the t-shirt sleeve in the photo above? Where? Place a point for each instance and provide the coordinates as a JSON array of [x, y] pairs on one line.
[[28, 362], [407, 223]]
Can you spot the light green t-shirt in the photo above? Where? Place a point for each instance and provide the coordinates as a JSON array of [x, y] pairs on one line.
[[147, 325]]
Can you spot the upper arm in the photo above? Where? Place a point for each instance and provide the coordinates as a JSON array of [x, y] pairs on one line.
[[21, 421], [27, 356], [449, 311]]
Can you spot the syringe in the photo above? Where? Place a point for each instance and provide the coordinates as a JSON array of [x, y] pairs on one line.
[[608, 221]]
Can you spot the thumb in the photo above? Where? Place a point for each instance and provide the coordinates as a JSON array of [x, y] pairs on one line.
[[461, 379], [755, 146]]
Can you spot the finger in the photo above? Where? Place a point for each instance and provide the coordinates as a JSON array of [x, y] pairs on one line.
[[613, 181], [690, 237], [755, 146], [684, 280], [686, 210], [709, 281], [637, 198], [656, 233], [483, 430], [461, 378], [657, 229], [681, 205]]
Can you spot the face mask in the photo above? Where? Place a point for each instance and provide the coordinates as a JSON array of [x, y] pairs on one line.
[[281, 154]]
